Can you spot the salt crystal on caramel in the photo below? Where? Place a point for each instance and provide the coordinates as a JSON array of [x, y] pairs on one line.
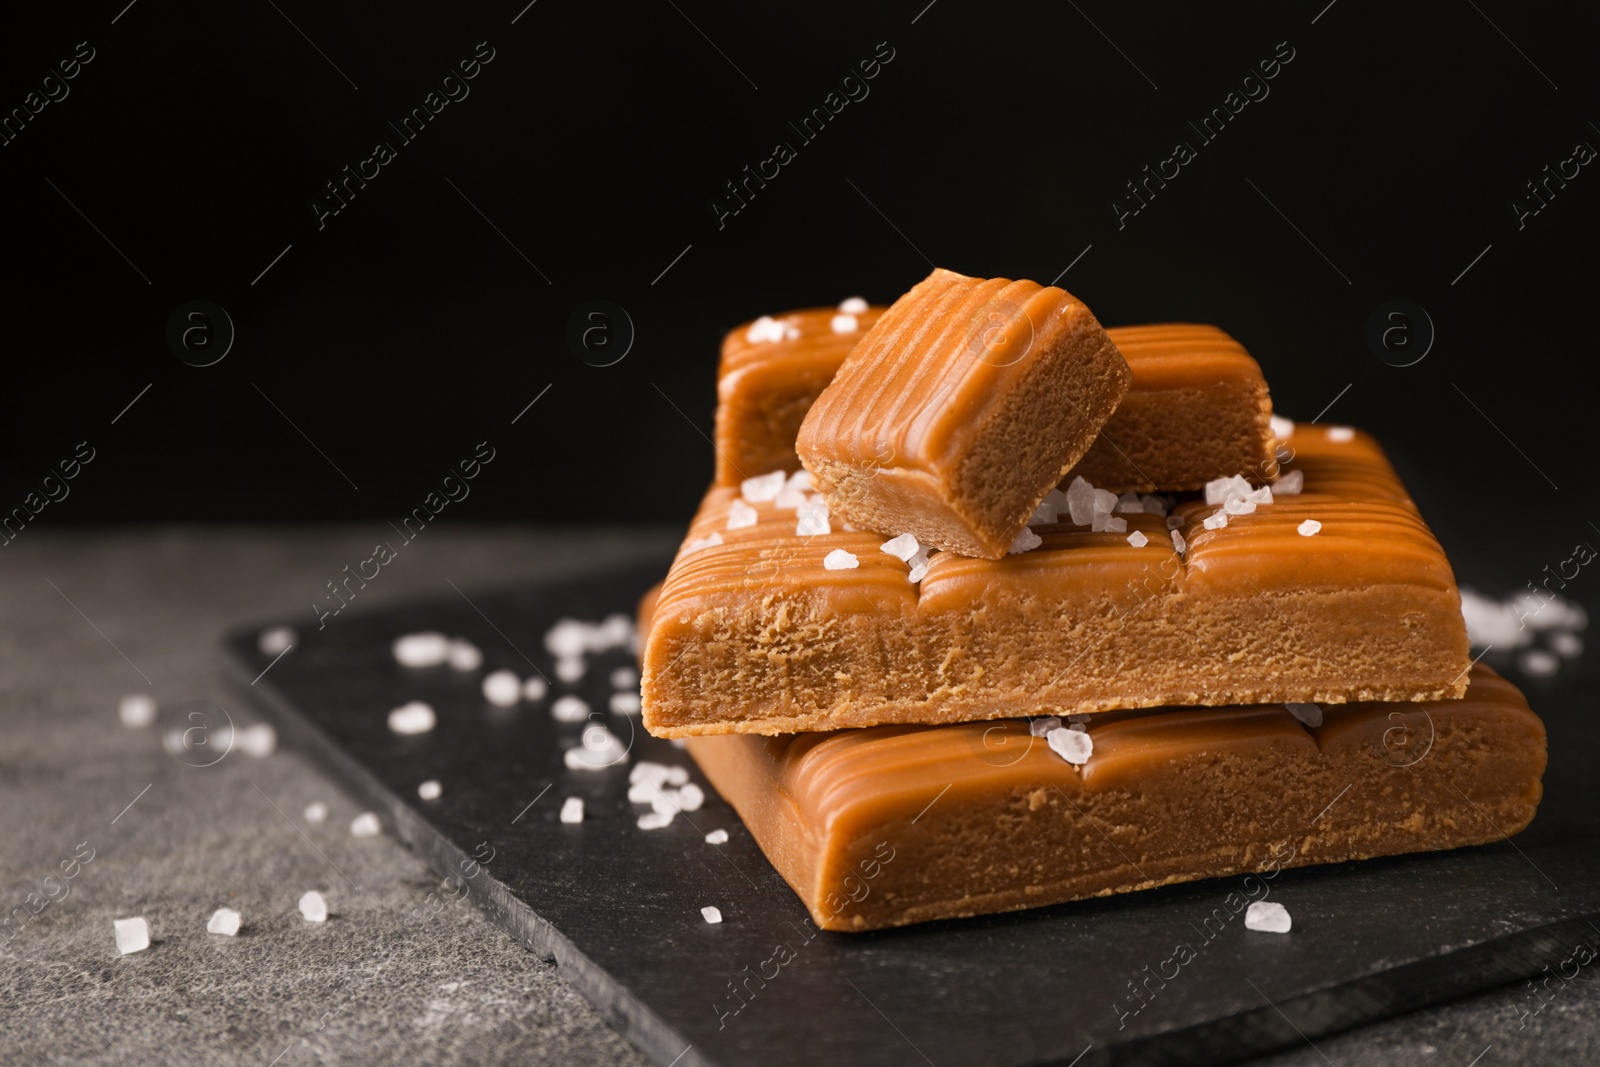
[[961, 409]]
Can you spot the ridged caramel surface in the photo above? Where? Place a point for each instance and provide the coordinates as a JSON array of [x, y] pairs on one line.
[[1172, 355], [756, 635], [817, 341], [983, 817]]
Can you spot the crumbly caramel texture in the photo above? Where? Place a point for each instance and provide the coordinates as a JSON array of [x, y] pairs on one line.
[[960, 409], [1197, 407], [895, 825], [755, 635], [765, 388]]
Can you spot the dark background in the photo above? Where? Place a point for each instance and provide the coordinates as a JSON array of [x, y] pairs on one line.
[[408, 329]]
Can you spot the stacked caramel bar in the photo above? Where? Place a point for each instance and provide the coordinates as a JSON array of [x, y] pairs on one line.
[[1040, 610]]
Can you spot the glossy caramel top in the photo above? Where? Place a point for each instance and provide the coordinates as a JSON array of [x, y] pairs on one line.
[[1371, 533], [1175, 355], [881, 773], [811, 335], [923, 382]]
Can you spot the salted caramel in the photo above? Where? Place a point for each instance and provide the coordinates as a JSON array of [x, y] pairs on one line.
[[960, 409], [893, 825], [771, 631]]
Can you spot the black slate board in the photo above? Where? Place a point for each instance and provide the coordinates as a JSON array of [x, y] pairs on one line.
[[619, 908]]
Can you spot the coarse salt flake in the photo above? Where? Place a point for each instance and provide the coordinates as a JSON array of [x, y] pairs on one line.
[[427, 649], [741, 515], [840, 560], [430, 790], [570, 669], [624, 678], [1267, 916], [717, 837], [133, 935], [1289, 483], [312, 907], [763, 488], [224, 921], [1216, 520], [1042, 727], [844, 324], [535, 688], [1137, 539], [413, 717], [258, 739], [901, 548], [853, 305], [648, 771], [316, 812], [137, 709], [625, 703], [1309, 528], [569, 708], [1341, 434], [275, 640], [711, 914], [766, 329], [464, 655], [365, 825], [1177, 541], [811, 518], [572, 810], [1025, 541], [655, 820], [1074, 746], [1282, 428], [1538, 663]]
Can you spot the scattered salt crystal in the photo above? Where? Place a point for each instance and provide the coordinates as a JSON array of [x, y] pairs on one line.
[[1116, 524], [625, 703], [313, 907], [133, 935], [648, 771], [1129, 504], [570, 668], [1260, 496], [1309, 714], [223, 921], [1155, 505], [795, 491], [919, 565], [1074, 746], [1267, 916], [616, 631], [711, 914], [844, 324], [137, 709], [1137, 539], [1538, 663], [766, 329], [1216, 521], [502, 688], [741, 515], [1289, 483], [413, 717], [853, 305], [535, 688], [1218, 490], [1174, 521], [642, 792], [258, 739], [1046, 513], [901, 548], [572, 810], [1080, 501], [275, 640], [600, 749], [1078, 726], [430, 790], [568, 637], [365, 825], [1549, 612], [811, 518], [1282, 428], [1105, 502], [840, 560], [569, 709], [1025, 541], [655, 820], [427, 649], [665, 800], [1238, 505], [1309, 528], [703, 542], [677, 775], [1041, 727], [1178, 542], [717, 837], [763, 488], [1491, 622], [1566, 644], [464, 655], [690, 797], [1341, 434], [624, 677], [316, 812]]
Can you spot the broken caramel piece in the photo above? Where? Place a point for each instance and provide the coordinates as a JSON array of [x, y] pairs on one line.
[[960, 409], [752, 633], [893, 825]]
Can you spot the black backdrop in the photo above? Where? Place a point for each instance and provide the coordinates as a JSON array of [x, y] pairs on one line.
[[582, 162]]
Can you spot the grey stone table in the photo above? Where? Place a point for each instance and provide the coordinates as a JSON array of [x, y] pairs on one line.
[[86, 618]]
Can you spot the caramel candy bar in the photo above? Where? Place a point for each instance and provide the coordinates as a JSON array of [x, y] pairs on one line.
[[1336, 593], [772, 370], [960, 409], [895, 825], [1197, 408]]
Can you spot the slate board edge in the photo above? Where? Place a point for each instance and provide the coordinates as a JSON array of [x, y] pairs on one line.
[[620, 1008], [1376, 996]]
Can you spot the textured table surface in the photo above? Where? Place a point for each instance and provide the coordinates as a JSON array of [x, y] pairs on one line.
[[89, 617]]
